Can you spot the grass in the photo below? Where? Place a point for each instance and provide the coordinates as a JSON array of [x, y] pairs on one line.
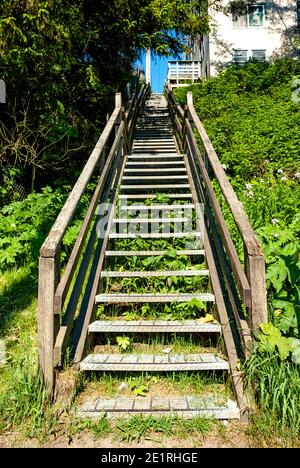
[[23, 401], [277, 385], [173, 384], [194, 285], [139, 427], [155, 344], [194, 309]]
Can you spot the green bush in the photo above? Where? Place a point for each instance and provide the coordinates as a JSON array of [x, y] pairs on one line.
[[253, 123]]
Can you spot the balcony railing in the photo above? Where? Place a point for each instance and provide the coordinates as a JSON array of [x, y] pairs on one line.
[[181, 71]]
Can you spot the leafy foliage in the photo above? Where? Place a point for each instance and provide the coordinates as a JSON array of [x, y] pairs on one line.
[[253, 124], [25, 224], [124, 342], [62, 60]]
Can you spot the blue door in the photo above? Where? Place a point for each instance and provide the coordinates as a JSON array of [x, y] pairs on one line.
[[159, 70]]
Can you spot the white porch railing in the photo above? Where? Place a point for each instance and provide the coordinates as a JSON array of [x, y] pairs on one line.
[[183, 70]]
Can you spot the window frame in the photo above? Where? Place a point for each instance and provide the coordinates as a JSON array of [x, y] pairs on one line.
[[236, 62], [247, 16], [249, 55]]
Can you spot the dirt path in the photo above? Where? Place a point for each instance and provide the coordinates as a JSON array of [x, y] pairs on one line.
[[231, 436]]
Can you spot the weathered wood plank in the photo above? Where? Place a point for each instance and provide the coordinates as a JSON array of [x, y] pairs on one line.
[[239, 274], [48, 279]]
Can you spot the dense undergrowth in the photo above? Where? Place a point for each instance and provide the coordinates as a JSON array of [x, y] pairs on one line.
[[253, 123]]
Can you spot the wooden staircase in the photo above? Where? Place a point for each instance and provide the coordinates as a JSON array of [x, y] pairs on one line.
[[142, 179], [155, 189]]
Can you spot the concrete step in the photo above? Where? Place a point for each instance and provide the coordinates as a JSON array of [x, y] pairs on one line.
[[143, 172], [149, 196], [154, 326], [154, 188], [153, 362], [151, 220], [151, 298], [147, 156], [168, 165], [208, 406], [153, 179], [155, 235], [153, 274], [173, 207], [151, 253]]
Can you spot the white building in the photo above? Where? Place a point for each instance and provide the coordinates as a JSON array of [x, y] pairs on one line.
[[265, 31]]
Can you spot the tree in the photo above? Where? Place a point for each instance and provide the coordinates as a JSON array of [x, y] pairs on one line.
[[63, 59]]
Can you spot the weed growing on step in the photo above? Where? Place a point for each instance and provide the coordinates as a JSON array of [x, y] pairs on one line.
[[172, 384], [139, 428]]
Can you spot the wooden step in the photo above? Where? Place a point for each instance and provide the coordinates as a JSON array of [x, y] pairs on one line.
[[188, 407], [151, 253], [153, 326], [153, 362], [153, 274], [154, 235], [151, 298]]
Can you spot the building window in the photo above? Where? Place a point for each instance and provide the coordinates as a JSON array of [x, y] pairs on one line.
[[240, 56], [259, 55], [254, 18]]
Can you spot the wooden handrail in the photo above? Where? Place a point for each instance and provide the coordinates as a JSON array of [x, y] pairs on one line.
[[64, 284], [239, 274], [53, 291], [51, 244], [247, 232], [251, 283]]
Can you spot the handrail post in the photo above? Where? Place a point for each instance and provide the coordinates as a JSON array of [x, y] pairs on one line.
[[184, 141], [49, 272], [126, 142], [255, 272], [118, 105]]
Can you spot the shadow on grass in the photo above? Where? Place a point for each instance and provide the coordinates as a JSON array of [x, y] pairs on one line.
[[18, 288]]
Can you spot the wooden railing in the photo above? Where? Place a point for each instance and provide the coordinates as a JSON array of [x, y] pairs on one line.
[[182, 70], [66, 298], [244, 280]]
